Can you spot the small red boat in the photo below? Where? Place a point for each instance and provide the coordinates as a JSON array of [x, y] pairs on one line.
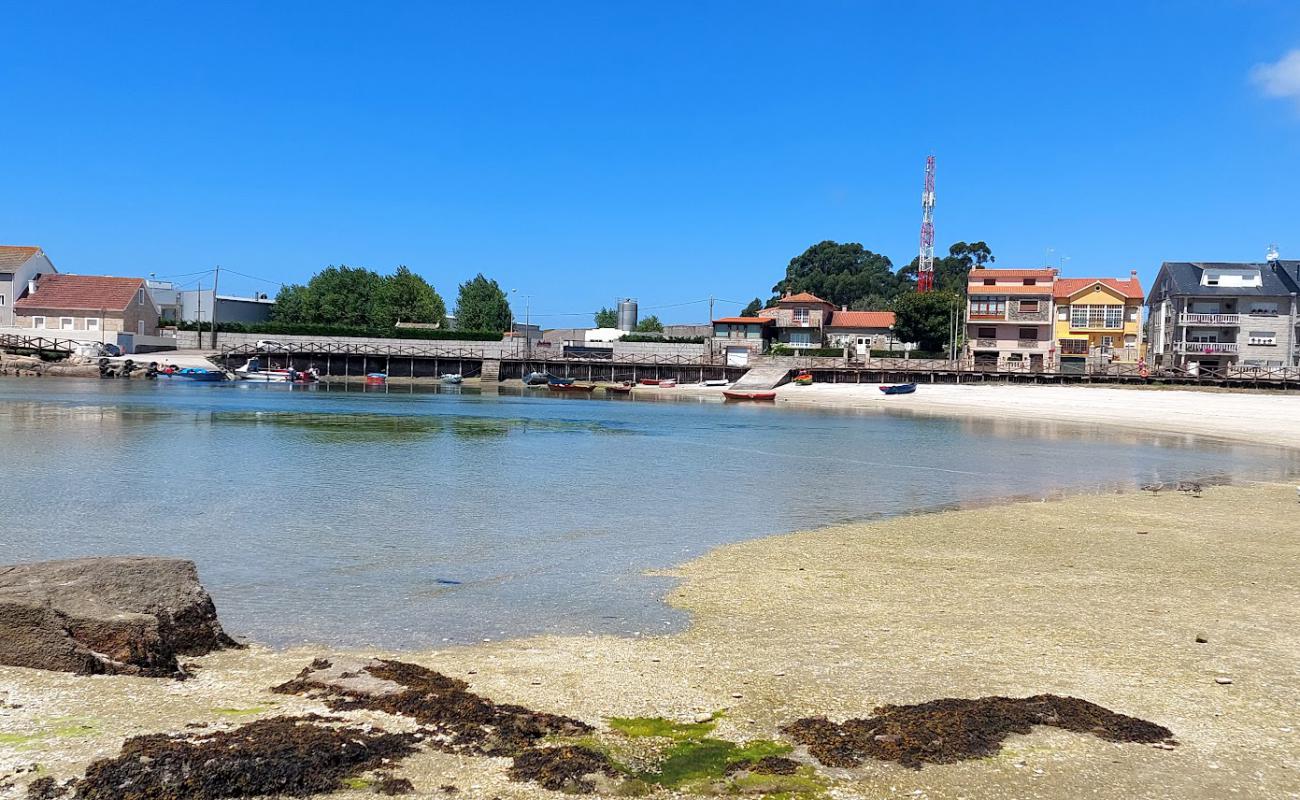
[[622, 388], [756, 396], [649, 381], [572, 387]]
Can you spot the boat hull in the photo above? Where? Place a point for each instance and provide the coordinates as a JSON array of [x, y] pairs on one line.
[[902, 388], [757, 397]]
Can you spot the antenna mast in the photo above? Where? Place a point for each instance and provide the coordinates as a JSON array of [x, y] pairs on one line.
[[925, 265]]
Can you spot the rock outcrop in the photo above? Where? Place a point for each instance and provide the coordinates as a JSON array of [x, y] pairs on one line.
[[121, 616]]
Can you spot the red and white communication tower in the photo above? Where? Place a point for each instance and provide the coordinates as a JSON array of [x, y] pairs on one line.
[[925, 266]]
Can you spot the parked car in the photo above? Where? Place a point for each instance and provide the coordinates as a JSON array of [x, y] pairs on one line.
[[269, 344]]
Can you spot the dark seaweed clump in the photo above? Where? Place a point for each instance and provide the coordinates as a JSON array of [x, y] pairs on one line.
[[953, 729], [563, 769], [45, 788], [291, 756], [391, 785], [457, 720]]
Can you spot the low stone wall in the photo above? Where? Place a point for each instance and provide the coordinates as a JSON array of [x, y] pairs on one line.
[[504, 349], [661, 349]]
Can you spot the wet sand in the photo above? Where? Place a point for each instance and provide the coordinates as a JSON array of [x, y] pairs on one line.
[[1100, 597]]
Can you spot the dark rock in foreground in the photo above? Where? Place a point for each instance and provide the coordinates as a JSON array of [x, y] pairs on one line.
[[953, 729], [117, 616]]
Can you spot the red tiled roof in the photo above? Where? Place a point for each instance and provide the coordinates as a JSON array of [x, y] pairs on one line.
[[81, 292], [1130, 288], [1044, 272], [802, 297], [862, 319], [767, 312], [976, 288], [746, 320], [13, 257]]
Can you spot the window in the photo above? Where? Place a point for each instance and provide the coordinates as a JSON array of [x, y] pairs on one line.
[[92, 324], [986, 333], [990, 282], [1096, 316], [1074, 347], [65, 323], [1063, 313], [1029, 306], [1031, 281], [2, 300], [1263, 337], [1107, 342], [1029, 334], [139, 327], [38, 322], [1259, 307], [988, 308], [801, 316], [140, 298]]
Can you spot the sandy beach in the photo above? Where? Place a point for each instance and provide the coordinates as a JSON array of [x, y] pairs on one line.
[[1241, 416], [1099, 597]]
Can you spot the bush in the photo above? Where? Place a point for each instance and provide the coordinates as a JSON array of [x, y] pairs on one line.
[[312, 329], [822, 352], [654, 337]]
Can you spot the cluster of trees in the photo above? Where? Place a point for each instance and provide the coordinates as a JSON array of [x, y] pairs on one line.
[[849, 275], [608, 318], [355, 296]]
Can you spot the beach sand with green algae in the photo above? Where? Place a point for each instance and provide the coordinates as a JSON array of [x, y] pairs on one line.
[[1101, 597]]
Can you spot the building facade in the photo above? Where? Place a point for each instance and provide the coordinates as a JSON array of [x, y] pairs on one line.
[[197, 306], [799, 320], [1009, 314], [737, 339], [87, 304], [19, 266], [1209, 315], [861, 331], [1098, 321]]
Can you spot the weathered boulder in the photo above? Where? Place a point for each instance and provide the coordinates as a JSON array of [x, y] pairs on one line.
[[120, 616]]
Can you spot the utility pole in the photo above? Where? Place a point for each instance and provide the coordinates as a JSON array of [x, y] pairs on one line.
[[215, 279], [710, 309], [198, 314]]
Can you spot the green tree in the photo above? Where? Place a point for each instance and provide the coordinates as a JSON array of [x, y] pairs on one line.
[[343, 295], [291, 304], [925, 319], [650, 324], [841, 274], [482, 306], [407, 297], [606, 318], [753, 308], [950, 271]]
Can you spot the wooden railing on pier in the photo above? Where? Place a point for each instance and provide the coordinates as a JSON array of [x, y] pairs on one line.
[[37, 344]]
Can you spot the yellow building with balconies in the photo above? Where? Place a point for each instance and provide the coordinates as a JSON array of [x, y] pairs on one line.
[[1098, 321]]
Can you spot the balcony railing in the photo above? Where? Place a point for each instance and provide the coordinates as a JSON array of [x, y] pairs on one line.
[[986, 342], [1209, 319], [975, 315], [1028, 344], [1205, 347], [1030, 316]]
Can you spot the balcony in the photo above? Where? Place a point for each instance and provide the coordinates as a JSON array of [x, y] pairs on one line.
[[1212, 320], [1207, 348], [986, 342], [994, 317], [1028, 344]]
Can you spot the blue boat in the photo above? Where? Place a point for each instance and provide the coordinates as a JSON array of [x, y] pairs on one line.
[[199, 374], [902, 388], [554, 380]]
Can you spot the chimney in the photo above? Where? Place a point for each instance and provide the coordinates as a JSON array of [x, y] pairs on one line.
[[844, 308], [31, 287], [1272, 255]]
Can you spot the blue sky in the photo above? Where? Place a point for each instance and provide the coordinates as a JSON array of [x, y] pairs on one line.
[[666, 151]]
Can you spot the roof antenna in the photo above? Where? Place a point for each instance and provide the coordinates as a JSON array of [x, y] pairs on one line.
[[1272, 255]]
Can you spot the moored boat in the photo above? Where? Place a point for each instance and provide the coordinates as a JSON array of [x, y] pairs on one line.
[[901, 388], [716, 382], [762, 396], [199, 374], [536, 379], [649, 381], [804, 379], [619, 388], [572, 387], [555, 380], [452, 377], [376, 379], [668, 383]]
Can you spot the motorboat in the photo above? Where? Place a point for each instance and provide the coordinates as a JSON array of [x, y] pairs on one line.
[[452, 377], [901, 388], [252, 371]]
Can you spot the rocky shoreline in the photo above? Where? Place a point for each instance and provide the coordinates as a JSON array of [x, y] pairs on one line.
[[1037, 649]]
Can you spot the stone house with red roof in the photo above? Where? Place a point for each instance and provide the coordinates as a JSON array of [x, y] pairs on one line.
[[18, 267], [1009, 318], [799, 320], [87, 304], [861, 331]]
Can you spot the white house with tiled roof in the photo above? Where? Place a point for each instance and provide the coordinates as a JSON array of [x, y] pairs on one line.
[[861, 331], [19, 266]]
